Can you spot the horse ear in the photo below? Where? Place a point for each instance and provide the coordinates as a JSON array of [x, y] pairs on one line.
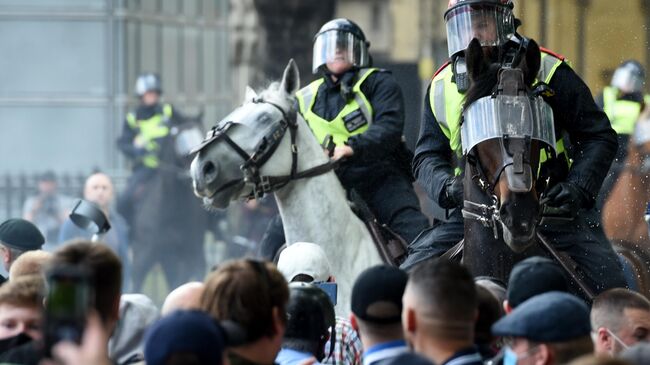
[[291, 78], [475, 59], [250, 94], [533, 61]]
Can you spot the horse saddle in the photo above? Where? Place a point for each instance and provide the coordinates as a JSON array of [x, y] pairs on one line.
[[391, 247]]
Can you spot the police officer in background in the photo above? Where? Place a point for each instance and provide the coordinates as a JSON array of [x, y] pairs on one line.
[[141, 137], [574, 183], [310, 324], [362, 109], [623, 101]]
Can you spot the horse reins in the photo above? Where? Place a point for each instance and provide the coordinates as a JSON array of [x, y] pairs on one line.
[[263, 151]]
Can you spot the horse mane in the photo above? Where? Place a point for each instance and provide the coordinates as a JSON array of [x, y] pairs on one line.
[[275, 94]]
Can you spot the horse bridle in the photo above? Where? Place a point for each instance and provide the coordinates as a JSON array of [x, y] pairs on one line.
[[253, 163]]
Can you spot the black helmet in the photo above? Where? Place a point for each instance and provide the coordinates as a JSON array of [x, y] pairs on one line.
[[147, 82], [344, 36], [629, 77], [490, 21], [310, 313]]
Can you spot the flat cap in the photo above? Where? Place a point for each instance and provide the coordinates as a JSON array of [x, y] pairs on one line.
[[532, 276], [549, 317], [20, 234]]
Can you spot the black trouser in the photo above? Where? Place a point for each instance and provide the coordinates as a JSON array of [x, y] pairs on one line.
[[391, 199], [583, 239]]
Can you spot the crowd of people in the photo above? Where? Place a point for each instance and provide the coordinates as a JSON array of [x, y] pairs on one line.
[[256, 312]]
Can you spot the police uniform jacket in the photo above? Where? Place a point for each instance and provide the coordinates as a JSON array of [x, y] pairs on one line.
[[593, 141]]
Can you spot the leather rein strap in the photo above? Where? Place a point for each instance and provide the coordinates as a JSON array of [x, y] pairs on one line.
[[263, 151]]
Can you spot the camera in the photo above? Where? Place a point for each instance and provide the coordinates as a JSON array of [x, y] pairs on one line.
[[69, 298]]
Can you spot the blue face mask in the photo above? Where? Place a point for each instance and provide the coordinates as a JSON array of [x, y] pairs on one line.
[[509, 357]]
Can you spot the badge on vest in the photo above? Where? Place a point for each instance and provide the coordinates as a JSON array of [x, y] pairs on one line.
[[354, 120]]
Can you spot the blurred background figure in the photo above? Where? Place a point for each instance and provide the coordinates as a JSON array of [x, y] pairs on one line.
[[99, 190], [623, 101], [48, 209], [140, 140]]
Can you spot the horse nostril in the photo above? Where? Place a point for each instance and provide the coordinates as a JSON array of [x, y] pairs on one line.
[[209, 171]]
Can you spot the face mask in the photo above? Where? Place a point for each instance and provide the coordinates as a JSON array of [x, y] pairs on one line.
[[510, 357], [617, 339]]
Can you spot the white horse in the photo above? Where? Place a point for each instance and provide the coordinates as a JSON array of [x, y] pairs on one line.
[[314, 207]]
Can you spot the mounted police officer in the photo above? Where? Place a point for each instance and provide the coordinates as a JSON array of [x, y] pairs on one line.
[[310, 324], [362, 109], [623, 101], [142, 133], [574, 180]]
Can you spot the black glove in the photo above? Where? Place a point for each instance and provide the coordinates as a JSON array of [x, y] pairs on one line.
[[452, 193], [566, 199]]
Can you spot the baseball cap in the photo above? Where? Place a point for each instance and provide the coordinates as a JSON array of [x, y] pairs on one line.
[[186, 331], [532, 276], [377, 294], [21, 234], [304, 258], [549, 317]]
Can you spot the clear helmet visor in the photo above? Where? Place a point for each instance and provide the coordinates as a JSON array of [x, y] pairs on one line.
[[338, 49], [627, 80], [492, 25], [514, 116]]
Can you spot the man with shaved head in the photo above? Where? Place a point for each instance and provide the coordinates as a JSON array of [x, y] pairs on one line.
[[620, 318], [186, 296], [440, 308], [99, 190]]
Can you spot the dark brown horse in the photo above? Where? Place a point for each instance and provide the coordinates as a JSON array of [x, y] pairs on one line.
[[502, 144]]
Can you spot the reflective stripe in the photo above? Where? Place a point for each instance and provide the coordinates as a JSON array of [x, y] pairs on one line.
[[547, 67], [622, 114], [149, 131], [336, 127]]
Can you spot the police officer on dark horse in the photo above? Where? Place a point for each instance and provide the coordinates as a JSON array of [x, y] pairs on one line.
[[362, 109], [575, 180]]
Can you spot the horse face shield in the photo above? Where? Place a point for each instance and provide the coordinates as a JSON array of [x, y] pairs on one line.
[[516, 121]]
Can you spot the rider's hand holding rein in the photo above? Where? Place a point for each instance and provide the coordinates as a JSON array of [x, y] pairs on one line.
[[567, 197], [342, 151]]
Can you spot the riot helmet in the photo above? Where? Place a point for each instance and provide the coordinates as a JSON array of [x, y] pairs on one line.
[[629, 77], [490, 21], [340, 40], [147, 82], [310, 316]]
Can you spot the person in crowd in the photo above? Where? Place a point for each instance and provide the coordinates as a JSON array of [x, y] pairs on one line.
[[137, 313], [254, 295], [377, 316], [575, 176], [494, 285], [637, 354], [439, 314], [307, 262], [310, 322], [532, 276], [361, 108], [186, 296], [18, 236], [21, 306], [623, 101], [185, 338], [105, 277], [49, 208], [99, 189], [548, 329], [489, 311], [620, 318], [30, 263]]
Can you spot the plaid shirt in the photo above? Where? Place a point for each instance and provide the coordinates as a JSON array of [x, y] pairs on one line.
[[347, 348]]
